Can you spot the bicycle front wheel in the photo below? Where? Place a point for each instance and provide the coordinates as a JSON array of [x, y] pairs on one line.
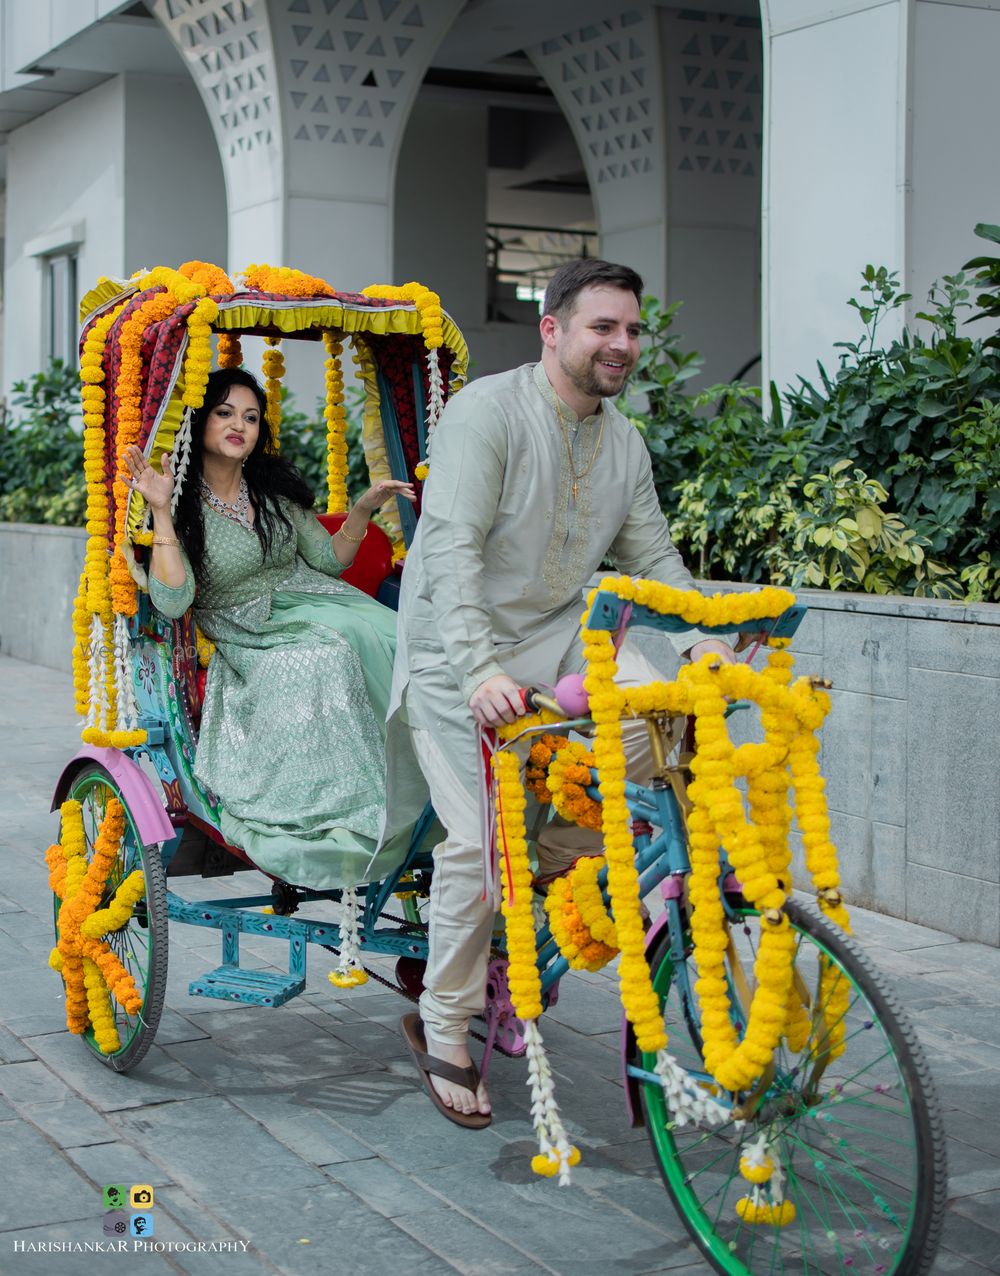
[[846, 1114]]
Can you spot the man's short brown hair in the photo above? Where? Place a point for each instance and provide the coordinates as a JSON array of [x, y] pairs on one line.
[[586, 272]]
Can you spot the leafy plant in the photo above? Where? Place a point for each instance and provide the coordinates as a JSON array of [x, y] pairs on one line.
[[901, 445], [41, 470], [842, 536]]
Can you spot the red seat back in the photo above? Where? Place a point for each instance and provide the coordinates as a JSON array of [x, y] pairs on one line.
[[373, 561]]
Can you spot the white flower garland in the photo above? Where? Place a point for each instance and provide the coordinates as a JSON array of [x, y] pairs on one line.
[[349, 972]]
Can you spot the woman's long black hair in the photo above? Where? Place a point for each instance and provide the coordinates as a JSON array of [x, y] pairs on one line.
[[268, 475]]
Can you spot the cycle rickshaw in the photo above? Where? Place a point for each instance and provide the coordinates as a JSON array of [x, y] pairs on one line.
[[788, 1103]]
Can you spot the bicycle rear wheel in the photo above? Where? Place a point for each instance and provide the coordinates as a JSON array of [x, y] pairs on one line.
[[857, 1133], [141, 943]]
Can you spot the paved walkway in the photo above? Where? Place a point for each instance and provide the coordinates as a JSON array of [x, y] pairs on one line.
[[302, 1135]]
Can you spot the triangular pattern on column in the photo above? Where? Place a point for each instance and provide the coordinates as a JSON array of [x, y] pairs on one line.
[[227, 48], [624, 43], [712, 73]]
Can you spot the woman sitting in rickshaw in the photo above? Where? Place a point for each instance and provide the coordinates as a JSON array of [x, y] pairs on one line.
[[313, 787]]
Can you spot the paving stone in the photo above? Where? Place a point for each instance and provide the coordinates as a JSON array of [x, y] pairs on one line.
[[964, 1235], [200, 1225], [31, 1082], [13, 1049], [119, 1162], [562, 1228], [383, 1187], [157, 1079], [206, 1142], [372, 1039], [300, 1229], [970, 1171], [983, 1208], [174, 1028], [296, 1122], [45, 1188], [468, 1246], [70, 1122]]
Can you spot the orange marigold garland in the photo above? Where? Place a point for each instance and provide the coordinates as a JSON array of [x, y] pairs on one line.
[[578, 918], [286, 281], [230, 350], [274, 370], [91, 972]]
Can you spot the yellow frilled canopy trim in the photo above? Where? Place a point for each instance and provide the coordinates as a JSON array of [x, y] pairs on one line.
[[404, 319]]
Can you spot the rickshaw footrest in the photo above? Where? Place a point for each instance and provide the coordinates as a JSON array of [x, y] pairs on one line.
[[252, 987]]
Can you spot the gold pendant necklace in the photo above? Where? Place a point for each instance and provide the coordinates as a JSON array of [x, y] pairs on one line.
[[581, 474]]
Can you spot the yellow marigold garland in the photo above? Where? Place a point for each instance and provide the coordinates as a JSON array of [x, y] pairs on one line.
[[427, 303], [91, 971], [335, 415], [578, 919], [556, 1155], [758, 851]]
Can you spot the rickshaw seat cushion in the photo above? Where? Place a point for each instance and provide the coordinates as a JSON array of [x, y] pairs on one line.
[[373, 561]]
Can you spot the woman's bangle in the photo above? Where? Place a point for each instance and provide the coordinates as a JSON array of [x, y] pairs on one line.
[[356, 540], [166, 540]]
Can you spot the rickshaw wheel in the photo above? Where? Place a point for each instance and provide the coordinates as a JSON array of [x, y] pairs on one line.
[[141, 944]]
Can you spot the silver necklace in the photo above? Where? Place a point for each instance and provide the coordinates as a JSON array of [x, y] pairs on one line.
[[238, 511]]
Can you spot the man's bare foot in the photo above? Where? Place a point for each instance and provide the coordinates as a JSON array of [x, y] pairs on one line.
[[456, 1096]]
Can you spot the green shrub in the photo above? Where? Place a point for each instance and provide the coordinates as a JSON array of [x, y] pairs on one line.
[[901, 447], [41, 460]]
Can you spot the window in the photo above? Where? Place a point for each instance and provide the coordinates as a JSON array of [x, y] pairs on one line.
[[61, 306]]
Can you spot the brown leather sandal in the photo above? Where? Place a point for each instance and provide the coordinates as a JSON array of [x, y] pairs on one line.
[[412, 1029]]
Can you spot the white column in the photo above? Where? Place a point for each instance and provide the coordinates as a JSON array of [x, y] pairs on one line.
[[607, 79], [874, 112], [309, 101]]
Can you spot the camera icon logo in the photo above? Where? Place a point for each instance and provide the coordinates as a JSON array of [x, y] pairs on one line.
[[141, 1196]]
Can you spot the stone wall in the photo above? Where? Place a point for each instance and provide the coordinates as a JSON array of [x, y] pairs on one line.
[[39, 571], [911, 749]]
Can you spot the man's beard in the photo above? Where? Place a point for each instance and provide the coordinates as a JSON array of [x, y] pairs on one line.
[[594, 381]]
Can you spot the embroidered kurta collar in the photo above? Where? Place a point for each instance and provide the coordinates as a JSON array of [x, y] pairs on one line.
[[549, 395]]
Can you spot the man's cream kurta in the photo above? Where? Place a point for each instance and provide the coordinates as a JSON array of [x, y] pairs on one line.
[[494, 577]]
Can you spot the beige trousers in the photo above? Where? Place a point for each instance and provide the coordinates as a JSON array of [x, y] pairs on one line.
[[461, 921]]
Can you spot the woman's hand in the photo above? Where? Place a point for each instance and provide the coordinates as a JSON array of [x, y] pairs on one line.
[[156, 489], [379, 493]]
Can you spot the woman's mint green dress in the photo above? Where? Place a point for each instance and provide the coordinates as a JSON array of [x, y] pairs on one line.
[[293, 741]]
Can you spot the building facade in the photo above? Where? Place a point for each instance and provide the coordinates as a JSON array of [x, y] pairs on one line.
[[749, 157]]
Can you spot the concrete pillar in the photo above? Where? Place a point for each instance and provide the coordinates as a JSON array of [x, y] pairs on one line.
[[309, 101], [607, 78], [713, 76], [665, 105], [441, 241], [871, 108]]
